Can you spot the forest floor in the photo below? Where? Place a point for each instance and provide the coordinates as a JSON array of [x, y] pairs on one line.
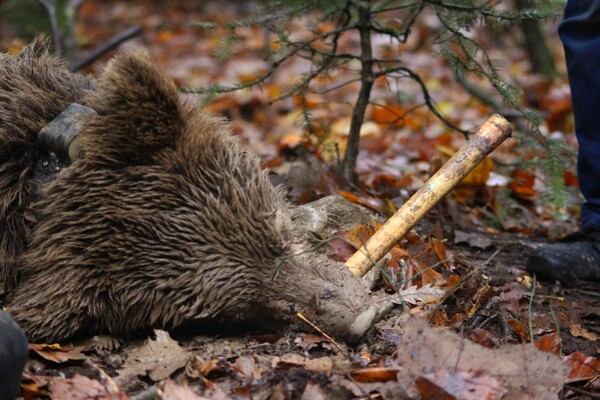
[[462, 268]]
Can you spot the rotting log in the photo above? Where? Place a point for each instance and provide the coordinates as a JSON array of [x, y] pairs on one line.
[[489, 136]]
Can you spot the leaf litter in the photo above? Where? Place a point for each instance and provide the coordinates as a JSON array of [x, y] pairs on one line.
[[481, 307]]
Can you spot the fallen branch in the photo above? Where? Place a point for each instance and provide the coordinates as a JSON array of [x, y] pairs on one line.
[[56, 34], [489, 136], [105, 47]]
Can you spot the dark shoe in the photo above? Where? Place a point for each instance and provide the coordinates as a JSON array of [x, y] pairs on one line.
[[575, 257], [13, 355]]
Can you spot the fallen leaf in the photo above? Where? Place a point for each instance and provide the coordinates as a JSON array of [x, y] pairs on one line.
[[375, 374], [288, 361], [313, 391], [579, 331], [522, 369], [519, 329], [549, 343], [158, 358], [484, 338], [414, 295], [473, 239], [82, 387], [388, 114], [247, 368], [307, 341], [480, 174], [173, 391], [522, 185], [583, 368], [57, 353], [463, 385], [440, 249]]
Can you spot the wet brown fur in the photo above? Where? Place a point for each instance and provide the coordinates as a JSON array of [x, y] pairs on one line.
[[164, 221]]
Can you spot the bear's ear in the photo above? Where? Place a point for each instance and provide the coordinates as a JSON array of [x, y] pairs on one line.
[[139, 114]]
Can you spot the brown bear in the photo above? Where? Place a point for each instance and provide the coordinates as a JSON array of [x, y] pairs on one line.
[[163, 221]]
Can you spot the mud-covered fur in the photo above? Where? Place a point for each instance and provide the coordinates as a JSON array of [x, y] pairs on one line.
[[164, 221], [34, 89]]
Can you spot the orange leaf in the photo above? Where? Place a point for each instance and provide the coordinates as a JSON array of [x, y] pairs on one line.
[[570, 179], [583, 368], [369, 202], [375, 374], [520, 329], [549, 343], [388, 114], [307, 101], [440, 249], [428, 275], [289, 141], [165, 36], [522, 185], [480, 174]]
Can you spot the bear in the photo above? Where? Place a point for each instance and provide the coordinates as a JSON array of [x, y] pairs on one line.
[[34, 89], [163, 221]]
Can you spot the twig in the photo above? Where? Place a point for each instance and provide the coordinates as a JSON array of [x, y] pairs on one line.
[[583, 392], [51, 9], [426, 96], [104, 47], [529, 311], [555, 319], [326, 336], [262, 78]]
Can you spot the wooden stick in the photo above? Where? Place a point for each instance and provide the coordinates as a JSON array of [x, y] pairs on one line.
[[489, 136]]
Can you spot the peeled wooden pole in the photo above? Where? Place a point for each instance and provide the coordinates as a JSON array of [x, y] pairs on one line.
[[489, 136]]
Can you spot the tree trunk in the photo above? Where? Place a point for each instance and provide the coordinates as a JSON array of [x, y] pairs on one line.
[[366, 75], [536, 45]]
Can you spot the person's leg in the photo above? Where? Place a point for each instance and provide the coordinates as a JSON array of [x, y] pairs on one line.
[[13, 355], [580, 34], [578, 257]]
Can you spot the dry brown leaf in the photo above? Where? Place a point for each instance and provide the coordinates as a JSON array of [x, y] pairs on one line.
[[427, 294], [313, 391], [463, 385], [287, 361], [522, 369], [158, 358], [248, 369], [579, 331], [173, 391], [307, 341], [57, 353], [484, 338], [82, 387]]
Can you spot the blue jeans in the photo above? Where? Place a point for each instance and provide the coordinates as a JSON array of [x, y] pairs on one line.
[[580, 34]]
